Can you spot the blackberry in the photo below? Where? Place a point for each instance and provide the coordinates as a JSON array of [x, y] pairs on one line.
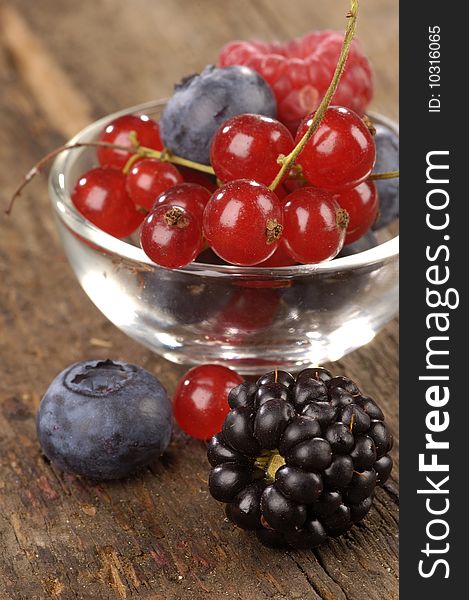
[[298, 459]]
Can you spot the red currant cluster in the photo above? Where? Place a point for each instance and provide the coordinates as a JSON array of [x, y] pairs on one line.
[[261, 214]]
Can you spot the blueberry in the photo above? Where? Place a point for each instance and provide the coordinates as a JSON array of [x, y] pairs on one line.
[[104, 419], [201, 103], [387, 159]]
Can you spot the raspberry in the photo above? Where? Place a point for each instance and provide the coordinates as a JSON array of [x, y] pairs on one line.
[[300, 71], [298, 460]]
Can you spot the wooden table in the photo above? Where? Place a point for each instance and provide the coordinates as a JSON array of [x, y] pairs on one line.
[[159, 535]]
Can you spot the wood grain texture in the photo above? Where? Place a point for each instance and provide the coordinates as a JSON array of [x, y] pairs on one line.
[[158, 535]]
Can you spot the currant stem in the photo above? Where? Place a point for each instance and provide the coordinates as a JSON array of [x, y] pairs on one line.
[[130, 163], [184, 162], [39, 166], [386, 175], [137, 151], [325, 102]]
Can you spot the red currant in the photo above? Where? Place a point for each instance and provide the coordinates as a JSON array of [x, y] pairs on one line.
[[200, 401], [362, 205], [203, 179], [340, 154], [117, 132], [149, 178], [171, 236], [190, 196], [248, 146], [280, 258], [101, 197], [314, 225], [243, 222], [289, 185]]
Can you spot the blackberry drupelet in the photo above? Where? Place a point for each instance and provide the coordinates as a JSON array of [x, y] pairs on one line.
[[298, 460]]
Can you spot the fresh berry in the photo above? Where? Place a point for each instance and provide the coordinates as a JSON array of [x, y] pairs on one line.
[[100, 195], [171, 236], [293, 478], [208, 256], [361, 204], [190, 196], [200, 404], [387, 159], [118, 132], [280, 258], [366, 242], [203, 179], [201, 103], [243, 222], [314, 225], [248, 147], [148, 179], [340, 154], [300, 71], [104, 419]]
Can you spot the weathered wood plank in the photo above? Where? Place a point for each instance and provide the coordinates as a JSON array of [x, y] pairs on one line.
[[158, 535]]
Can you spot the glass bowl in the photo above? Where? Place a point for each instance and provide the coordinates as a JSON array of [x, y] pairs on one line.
[[249, 318]]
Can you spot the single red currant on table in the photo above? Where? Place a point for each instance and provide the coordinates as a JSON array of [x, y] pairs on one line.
[[200, 400], [171, 236], [149, 178], [118, 132], [247, 147], [362, 206], [314, 225], [340, 154], [243, 222], [190, 196], [100, 195]]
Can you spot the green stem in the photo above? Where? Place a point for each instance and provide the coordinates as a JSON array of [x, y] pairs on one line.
[[138, 151], [289, 160], [184, 162], [130, 163], [387, 175], [169, 157], [166, 155]]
